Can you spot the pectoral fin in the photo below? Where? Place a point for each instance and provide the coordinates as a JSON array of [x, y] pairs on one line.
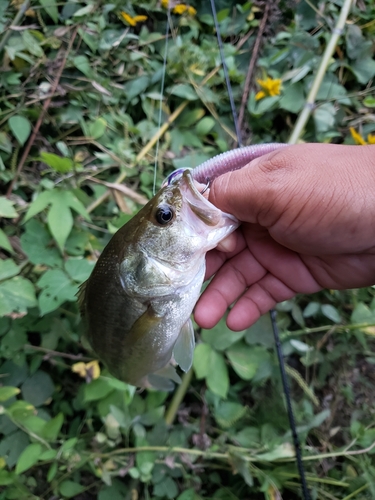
[[81, 298], [183, 350], [162, 379], [144, 324]]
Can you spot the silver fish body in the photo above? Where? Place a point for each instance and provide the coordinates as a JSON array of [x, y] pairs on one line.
[[139, 298]]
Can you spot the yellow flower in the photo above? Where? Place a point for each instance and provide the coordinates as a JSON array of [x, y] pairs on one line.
[[270, 88], [180, 8], [89, 371], [140, 19], [191, 11], [128, 19], [358, 139], [371, 138], [164, 4], [132, 20]]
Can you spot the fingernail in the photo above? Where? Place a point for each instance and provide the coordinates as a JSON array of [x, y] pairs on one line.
[[228, 244]]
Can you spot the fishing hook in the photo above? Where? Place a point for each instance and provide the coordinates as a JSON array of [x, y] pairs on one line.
[[208, 182]]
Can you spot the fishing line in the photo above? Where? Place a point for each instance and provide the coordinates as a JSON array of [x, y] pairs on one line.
[[226, 74], [275, 329], [162, 93]]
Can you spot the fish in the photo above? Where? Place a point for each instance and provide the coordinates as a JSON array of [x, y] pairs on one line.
[[137, 302]]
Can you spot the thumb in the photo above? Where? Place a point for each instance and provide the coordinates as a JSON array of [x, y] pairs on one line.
[[250, 191]]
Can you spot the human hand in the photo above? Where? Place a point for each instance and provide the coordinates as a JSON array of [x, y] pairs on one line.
[[308, 222]]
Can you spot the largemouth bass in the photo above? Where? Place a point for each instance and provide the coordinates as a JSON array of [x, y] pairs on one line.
[[139, 298]]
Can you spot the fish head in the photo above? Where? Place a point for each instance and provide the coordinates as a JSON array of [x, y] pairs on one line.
[[178, 226]]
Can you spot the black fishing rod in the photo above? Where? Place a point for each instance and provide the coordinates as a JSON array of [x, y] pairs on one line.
[[275, 329]]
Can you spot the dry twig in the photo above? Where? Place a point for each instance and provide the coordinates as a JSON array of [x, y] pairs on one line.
[[38, 124]]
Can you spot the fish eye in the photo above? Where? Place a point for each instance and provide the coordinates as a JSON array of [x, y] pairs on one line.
[[164, 214]]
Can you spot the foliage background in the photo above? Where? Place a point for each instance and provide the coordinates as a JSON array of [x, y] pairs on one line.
[[79, 108]]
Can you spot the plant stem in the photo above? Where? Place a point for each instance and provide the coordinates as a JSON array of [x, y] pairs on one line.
[[38, 124], [253, 60], [178, 397], [15, 22], [207, 454], [355, 493], [319, 329], [310, 102]]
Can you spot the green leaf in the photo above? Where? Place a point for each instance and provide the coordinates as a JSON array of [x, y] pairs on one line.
[[79, 269], [75, 204], [5, 143], [62, 165], [228, 413], [52, 472], [293, 98], [39, 204], [210, 365], [60, 220], [205, 125], [201, 360], [220, 337], [56, 289], [16, 296], [5, 243], [362, 314], [185, 91], [13, 445], [324, 117], [8, 268], [6, 208], [261, 332], [97, 389], [166, 488], [52, 428], [12, 342], [32, 44], [51, 9], [84, 10], [82, 63], [239, 464], [70, 489], [369, 101], [97, 128], [285, 450], [6, 477], [48, 454], [245, 360], [38, 388], [117, 491], [36, 243], [20, 128], [218, 379], [331, 313], [364, 69], [28, 457], [7, 392], [135, 87]]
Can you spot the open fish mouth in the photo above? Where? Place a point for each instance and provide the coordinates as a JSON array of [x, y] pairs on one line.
[[203, 189], [196, 196]]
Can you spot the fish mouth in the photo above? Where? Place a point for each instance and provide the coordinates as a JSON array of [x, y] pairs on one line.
[[198, 203]]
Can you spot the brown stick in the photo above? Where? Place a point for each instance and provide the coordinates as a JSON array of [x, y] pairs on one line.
[[38, 124], [51, 353], [253, 60]]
